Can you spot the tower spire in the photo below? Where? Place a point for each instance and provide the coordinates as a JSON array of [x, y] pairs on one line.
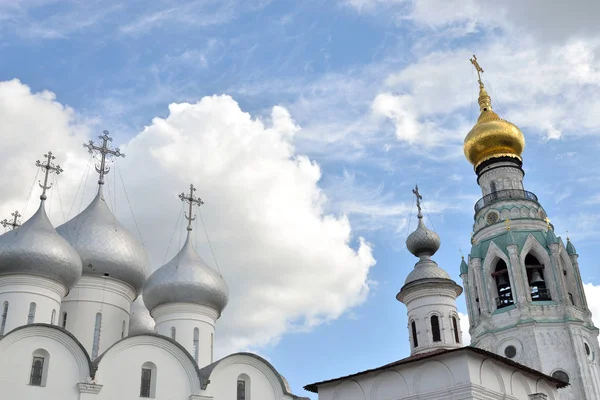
[[191, 200], [48, 167], [14, 224], [104, 151]]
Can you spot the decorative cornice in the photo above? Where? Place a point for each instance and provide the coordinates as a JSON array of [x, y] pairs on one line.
[[171, 308], [32, 280], [91, 388], [108, 284]]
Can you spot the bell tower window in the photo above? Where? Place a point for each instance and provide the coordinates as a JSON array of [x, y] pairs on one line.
[[435, 328], [505, 296], [413, 327], [535, 277], [455, 326]]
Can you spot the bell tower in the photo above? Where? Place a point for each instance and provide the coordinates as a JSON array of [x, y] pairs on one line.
[[523, 288]]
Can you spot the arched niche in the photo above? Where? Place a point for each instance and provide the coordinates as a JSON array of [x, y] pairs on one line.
[[519, 387], [389, 385], [492, 274], [349, 390], [433, 376], [490, 377], [533, 248]]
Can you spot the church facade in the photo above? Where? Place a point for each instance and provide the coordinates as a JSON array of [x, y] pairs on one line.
[[532, 335], [71, 328]]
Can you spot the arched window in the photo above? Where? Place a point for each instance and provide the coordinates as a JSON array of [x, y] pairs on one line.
[[173, 333], [97, 329], [123, 330], [413, 327], [148, 381], [505, 297], [64, 321], [535, 277], [455, 326], [195, 344], [435, 328], [39, 368], [243, 387], [4, 315], [212, 343], [31, 315], [53, 317], [492, 187]]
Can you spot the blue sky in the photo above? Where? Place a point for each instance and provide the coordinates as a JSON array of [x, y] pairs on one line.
[[305, 124]]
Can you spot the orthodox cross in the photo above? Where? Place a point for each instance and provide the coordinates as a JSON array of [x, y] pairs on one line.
[[547, 221], [477, 68], [102, 169], [191, 200], [48, 167], [419, 198], [14, 224], [567, 232], [507, 223]]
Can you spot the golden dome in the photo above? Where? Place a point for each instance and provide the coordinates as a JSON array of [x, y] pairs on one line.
[[492, 136]]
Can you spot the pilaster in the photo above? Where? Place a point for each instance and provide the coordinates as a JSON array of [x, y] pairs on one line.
[[481, 289], [515, 270], [556, 268]]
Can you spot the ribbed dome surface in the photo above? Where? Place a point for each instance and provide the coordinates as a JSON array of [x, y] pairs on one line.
[[426, 270], [35, 248], [186, 279], [140, 320], [105, 246], [423, 240]]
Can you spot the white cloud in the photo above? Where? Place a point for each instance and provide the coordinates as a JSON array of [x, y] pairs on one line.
[[592, 293], [289, 265]]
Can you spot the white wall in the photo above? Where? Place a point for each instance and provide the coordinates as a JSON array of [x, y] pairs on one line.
[[66, 367], [464, 375], [21, 290], [92, 295], [185, 317]]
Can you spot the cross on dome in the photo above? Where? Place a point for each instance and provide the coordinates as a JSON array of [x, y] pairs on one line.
[[104, 151], [14, 224], [478, 69], [191, 200], [419, 198], [48, 167]]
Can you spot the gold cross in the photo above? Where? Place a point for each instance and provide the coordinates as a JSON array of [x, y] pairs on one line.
[[507, 223], [547, 221], [477, 68]]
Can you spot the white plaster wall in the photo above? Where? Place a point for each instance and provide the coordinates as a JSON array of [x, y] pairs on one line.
[[506, 177], [185, 318], [93, 295], [458, 375], [21, 290], [120, 370], [66, 367]]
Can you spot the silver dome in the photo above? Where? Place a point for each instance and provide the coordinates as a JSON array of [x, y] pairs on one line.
[[426, 269], [36, 249], [105, 246], [422, 240], [186, 279], [140, 320]]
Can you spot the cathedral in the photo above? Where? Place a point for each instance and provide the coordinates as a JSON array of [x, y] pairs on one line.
[[532, 335], [83, 319]]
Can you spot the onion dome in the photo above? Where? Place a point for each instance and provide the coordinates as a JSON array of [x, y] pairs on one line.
[[140, 320], [570, 248], [464, 268], [35, 248], [492, 137], [186, 279], [423, 241], [105, 246]]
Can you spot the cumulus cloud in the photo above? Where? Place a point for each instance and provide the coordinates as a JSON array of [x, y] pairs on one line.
[[289, 265], [592, 293]]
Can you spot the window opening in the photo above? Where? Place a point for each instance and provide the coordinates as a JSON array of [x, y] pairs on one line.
[[37, 371], [4, 316], [53, 317], [31, 315], [64, 321], [535, 277], [455, 326], [146, 382], [173, 333], [195, 344], [435, 328], [123, 330], [414, 334], [241, 389], [505, 297], [97, 329]]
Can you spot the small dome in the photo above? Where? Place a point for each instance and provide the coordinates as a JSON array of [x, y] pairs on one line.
[[36, 249], [140, 320], [105, 246], [570, 248], [426, 270], [423, 241], [551, 237], [186, 279], [492, 136]]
